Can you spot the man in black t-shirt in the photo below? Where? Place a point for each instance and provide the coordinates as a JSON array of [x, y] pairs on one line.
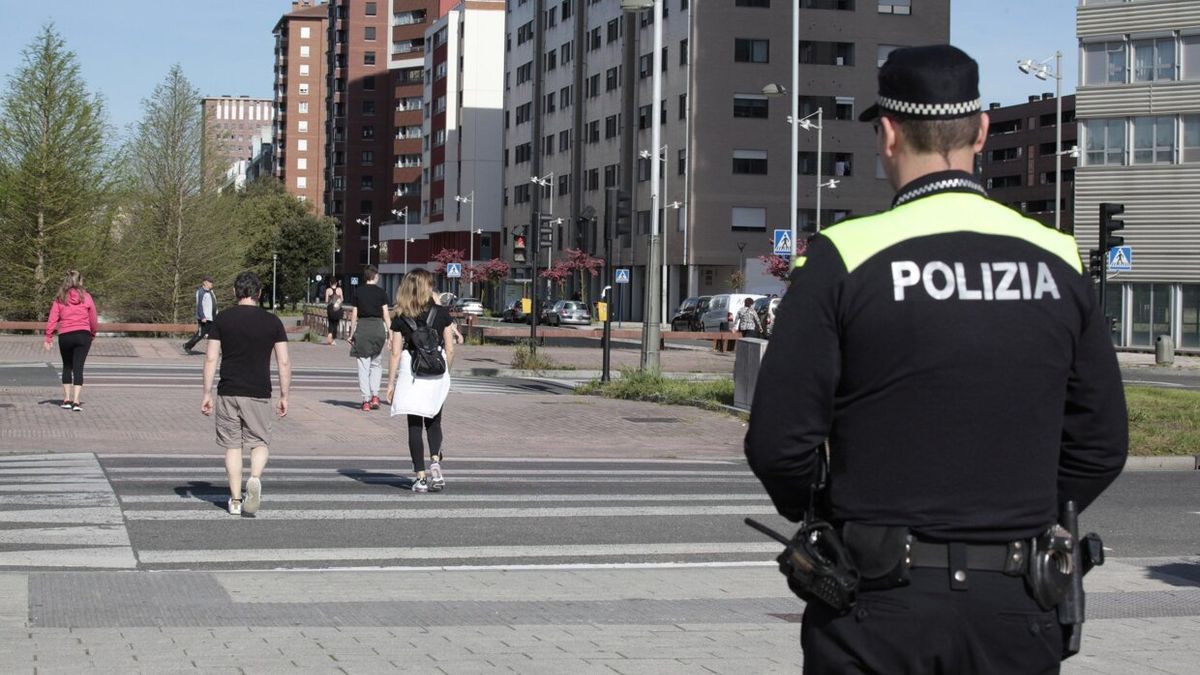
[[369, 336], [243, 338]]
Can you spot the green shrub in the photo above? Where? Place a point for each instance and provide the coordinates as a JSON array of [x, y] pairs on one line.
[[636, 385]]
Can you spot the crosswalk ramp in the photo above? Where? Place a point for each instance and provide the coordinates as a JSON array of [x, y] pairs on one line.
[[328, 379], [168, 512]]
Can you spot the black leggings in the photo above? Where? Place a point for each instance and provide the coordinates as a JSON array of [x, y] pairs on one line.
[[433, 429], [74, 348]]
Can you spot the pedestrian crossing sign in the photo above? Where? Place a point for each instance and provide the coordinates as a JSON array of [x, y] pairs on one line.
[[783, 242], [1120, 259], [454, 270], [622, 275]]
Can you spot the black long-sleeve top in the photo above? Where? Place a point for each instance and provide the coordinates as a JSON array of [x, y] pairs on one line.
[[953, 354]]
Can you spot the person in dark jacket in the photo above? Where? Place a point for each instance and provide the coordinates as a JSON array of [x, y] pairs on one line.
[[206, 309], [952, 355]]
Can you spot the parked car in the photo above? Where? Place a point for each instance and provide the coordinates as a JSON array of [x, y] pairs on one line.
[[721, 310], [513, 312], [467, 306], [768, 316], [688, 315], [568, 312]]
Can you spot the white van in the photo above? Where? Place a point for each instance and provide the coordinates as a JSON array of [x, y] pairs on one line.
[[721, 310]]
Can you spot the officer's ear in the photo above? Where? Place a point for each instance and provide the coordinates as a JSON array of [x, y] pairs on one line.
[[889, 137], [981, 135]]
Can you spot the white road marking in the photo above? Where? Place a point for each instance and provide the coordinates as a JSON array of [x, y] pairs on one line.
[[89, 486], [220, 495], [101, 535], [1155, 383], [104, 498], [206, 512], [111, 557], [450, 552], [219, 457], [383, 478], [116, 471], [99, 515]]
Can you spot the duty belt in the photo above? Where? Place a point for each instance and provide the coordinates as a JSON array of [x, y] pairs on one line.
[[960, 557]]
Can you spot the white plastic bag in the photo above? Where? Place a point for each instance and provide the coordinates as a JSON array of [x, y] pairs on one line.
[[422, 396]]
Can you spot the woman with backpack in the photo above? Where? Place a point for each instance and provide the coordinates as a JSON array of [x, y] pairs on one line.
[[423, 338], [73, 316], [333, 309]]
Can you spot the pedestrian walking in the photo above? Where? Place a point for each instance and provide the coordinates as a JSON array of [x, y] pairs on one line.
[[369, 336], [951, 354], [747, 320], [243, 338], [333, 309], [206, 309], [422, 333], [73, 317]]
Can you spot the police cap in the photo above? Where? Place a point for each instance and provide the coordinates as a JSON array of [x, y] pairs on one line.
[[935, 82]]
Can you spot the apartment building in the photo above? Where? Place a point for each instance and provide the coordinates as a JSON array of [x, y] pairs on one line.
[[460, 136], [1138, 108], [298, 152], [725, 143], [1017, 164], [230, 123]]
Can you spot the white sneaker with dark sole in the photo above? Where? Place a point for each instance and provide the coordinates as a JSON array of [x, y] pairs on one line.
[[235, 507], [436, 482], [420, 485], [253, 496]]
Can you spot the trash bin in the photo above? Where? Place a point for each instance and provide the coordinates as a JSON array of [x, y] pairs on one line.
[[1164, 350]]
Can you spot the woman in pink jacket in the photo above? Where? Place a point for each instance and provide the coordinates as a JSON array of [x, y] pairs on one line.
[[73, 316]]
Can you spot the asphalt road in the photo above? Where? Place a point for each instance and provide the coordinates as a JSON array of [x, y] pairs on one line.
[[1160, 377], [168, 512]]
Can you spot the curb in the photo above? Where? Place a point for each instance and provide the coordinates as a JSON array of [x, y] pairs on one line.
[[1172, 463], [573, 375]]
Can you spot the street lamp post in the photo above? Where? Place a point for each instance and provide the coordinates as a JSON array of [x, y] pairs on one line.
[[274, 277], [365, 221], [1041, 71], [666, 276], [398, 213], [470, 199]]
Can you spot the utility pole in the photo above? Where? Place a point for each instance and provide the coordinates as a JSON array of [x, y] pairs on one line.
[[652, 328]]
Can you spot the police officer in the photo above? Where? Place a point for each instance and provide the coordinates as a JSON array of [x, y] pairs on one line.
[[951, 353]]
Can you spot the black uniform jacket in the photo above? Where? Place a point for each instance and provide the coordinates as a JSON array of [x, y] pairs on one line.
[[953, 354]]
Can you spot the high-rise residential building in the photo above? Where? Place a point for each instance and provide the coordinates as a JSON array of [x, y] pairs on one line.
[[1018, 161], [376, 62], [462, 137], [1138, 106], [301, 65], [726, 144], [230, 123]]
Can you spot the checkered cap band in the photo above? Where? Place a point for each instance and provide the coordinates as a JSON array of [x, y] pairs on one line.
[[931, 109]]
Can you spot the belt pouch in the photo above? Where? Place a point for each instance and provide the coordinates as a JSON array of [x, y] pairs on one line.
[[881, 553]]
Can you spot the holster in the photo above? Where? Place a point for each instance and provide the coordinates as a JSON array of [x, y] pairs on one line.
[[882, 554]]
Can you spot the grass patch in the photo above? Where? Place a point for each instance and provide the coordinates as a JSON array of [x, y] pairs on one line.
[[526, 357], [636, 385], [1163, 421]]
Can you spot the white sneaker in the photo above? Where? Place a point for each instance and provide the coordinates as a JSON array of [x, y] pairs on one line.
[[253, 496], [420, 485], [436, 482], [235, 507]]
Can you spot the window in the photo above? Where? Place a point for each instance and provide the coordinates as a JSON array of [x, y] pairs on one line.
[[683, 52], [820, 53], [566, 52], [301, 182], [367, 183], [302, 126], [303, 89], [568, 8], [525, 33], [593, 131], [548, 103], [368, 107], [368, 58], [304, 69], [1153, 140], [681, 160], [1104, 63], [843, 108], [1189, 47], [304, 51], [883, 52], [752, 3], [594, 40], [895, 6], [305, 32], [748, 219], [614, 30], [643, 169], [302, 145], [683, 106], [1191, 138], [1105, 144], [593, 179], [302, 108], [611, 126], [368, 131], [611, 175], [750, 105], [644, 113], [369, 83], [523, 113], [523, 153], [370, 9], [1153, 59], [525, 73], [551, 60], [746, 50], [369, 33], [564, 97], [645, 66], [750, 162], [548, 145], [564, 184], [612, 79], [564, 140], [1190, 316], [439, 138]]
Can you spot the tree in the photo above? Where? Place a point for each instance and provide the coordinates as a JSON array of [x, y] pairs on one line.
[[582, 263], [776, 265], [490, 274], [180, 226], [262, 208], [303, 246], [558, 274], [55, 186]]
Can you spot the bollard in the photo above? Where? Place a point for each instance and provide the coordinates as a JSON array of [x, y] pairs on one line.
[[1164, 350], [747, 359]]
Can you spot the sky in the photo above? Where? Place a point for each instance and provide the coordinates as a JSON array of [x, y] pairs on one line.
[[126, 47]]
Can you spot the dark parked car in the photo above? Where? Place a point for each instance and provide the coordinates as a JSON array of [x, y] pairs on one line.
[[688, 315], [513, 312]]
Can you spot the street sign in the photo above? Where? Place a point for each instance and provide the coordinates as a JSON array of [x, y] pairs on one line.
[[453, 270], [1120, 259], [622, 275], [353, 281], [783, 242]]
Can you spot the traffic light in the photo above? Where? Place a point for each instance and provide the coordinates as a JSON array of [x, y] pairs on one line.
[[618, 212], [519, 235], [1109, 223], [1096, 264]]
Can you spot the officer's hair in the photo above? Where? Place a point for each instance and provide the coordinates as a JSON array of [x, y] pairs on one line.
[[940, 136]]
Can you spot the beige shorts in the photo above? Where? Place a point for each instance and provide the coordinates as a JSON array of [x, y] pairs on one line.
[[244, 422]]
